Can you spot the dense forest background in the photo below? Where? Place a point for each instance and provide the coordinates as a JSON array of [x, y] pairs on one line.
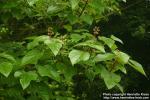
[[24, 25]]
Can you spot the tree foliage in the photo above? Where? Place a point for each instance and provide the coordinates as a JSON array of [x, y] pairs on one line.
[[48, 45]]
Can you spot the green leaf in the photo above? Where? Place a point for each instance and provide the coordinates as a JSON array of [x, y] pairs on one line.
[[87, 18], [26, 78], [32, 44], [6, 68], [36, 41], [52, 9], [104, 57], [49, 71], [110, 79], [74, 3], [76, 37], [77, 56], [93, 44], [67, 70], [122, 57], [108, 41], [120, 87], [18, 73], [116, 39], [54, 44], [68, 27], [137, 66], [90, 74], [120, 67], [32, 57], [32, 2], [44, 71], [7, 56]]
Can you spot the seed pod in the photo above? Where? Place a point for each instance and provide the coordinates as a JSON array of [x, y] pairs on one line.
[[50, 31], [96, 31]]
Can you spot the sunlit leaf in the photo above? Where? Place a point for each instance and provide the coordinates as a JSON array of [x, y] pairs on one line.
[[77, 56], [26, 78], [122, 57], [104, 57], [54, 44], [6, 68], [52, 9]]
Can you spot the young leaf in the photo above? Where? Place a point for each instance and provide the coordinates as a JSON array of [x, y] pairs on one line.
[[26, 78], [104, 57], [54, 44], [6, 68], [137, 66], [77, 56], [116, 39], [32, 57]]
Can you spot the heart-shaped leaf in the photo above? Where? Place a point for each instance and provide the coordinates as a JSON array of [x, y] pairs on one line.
[[6, 68], [77, 56], [54, 44], [26, 78]]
